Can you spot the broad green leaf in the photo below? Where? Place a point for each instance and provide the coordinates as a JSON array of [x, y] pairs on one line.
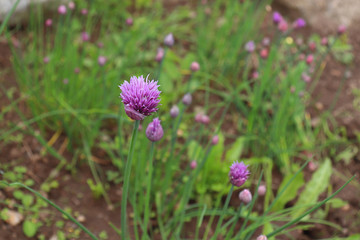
[[234, 153], [290, 192], [30, 228], [337, 203], [314, 187], [347, 154]]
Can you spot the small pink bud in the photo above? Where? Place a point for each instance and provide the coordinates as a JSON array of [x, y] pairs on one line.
[[101, 60], [159, 55], [245, 196], [174, 111], [266, 41], [48, 22], [76, 70], [84, 11], [71, 5], [193, 164], [85, 36], [187, 99], [312, 46], [324, 41], [292, 89], [261, 190], [306, 77], [205, 119], [140, 127], [341, 29], [129, 21], [283, 26], [46, 60], [264, 53], [100, 45], [215, 140], [255, 75], [62, 9], [66, 81], [169, 40], [198, 117], [261, 237], [195, 66], [312, 166], [309, 59]]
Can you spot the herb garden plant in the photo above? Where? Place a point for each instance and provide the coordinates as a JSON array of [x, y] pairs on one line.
[[165, 129]]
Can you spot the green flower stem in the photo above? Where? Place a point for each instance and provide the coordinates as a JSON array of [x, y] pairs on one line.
[[54, 205], [223, 211], [127, 180], [148, 187], [309, 211], [2, 26]]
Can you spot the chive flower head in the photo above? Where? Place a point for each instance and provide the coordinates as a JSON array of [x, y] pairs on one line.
[[238, 173], [140, 97]]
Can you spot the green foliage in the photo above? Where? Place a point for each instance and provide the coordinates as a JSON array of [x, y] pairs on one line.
[[314, 187]]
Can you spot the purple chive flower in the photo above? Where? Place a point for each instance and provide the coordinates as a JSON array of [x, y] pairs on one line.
[[129, 21], [193, 164], [195, 66], [299, 23], [262, 190], [238, 173], [140, 97], [62, 9], [85, 36], [101, 60], [187, 99], [46, 60], [215, 140], [66, 81], [154, 131], [169, 40], [159, 55], [84, 11], [174, 111], [245, 196], [277, 18], [250, 46], [261, 237], [48, 22]]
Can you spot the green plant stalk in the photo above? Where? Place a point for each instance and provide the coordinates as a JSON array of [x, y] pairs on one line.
[[250, 207], [230, 232], [278, 196], [223, 211], [309, 211], [54, 205], [2, 27], [127, 180], [148, 188], [188, 189], [200, 220]]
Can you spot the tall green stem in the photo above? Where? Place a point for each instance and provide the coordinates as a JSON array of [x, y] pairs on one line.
[[148, 187], [127, 180], [223, 211]]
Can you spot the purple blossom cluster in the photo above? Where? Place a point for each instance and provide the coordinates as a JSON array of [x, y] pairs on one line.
[[140, 97]]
